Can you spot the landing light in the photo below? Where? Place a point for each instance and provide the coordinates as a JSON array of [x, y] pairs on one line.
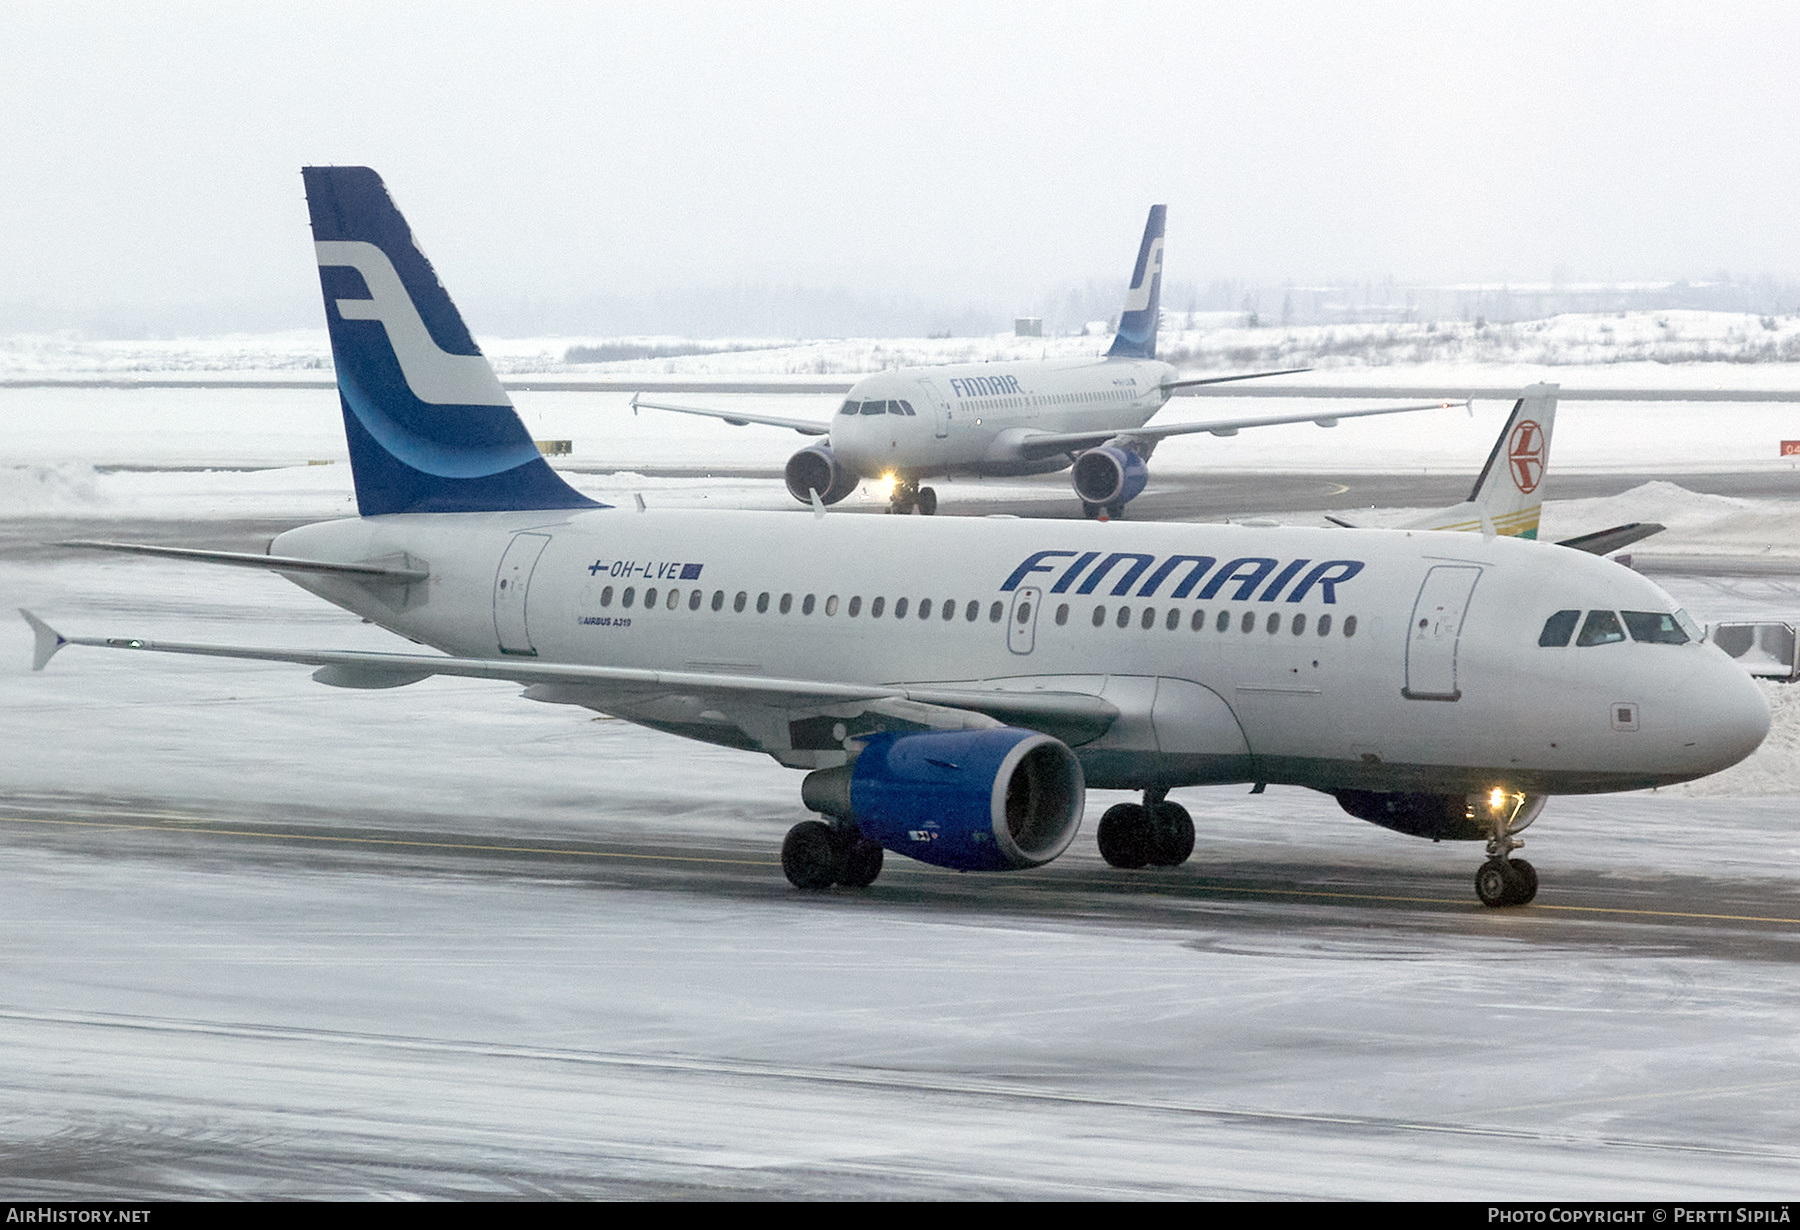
[[882, 488]]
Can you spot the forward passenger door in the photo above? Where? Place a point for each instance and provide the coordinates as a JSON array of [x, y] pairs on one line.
[[1435, 629]]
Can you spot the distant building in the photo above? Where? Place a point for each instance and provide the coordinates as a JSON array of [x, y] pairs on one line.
[[1028, 326]]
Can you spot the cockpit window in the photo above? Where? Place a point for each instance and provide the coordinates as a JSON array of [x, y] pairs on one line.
[[851, 407], [1600, 628], [1558, 629], [1655, 627], [874, 407]]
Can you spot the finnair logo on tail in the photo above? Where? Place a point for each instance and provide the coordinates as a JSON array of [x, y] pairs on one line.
[[1139, 298], [433, 374]]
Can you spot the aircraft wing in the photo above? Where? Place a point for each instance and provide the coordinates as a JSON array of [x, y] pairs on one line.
[[806, 427], [1200, 380], [1076, 717], [1045, 444]]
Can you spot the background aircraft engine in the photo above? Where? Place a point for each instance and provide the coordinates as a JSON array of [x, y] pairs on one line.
[[1441, 817], [1107, 477], [973, 800], [816, 469]]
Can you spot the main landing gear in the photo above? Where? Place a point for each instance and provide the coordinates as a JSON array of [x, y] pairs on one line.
[[908, 495], [1156, 833], [1504, 880], [817, 855]]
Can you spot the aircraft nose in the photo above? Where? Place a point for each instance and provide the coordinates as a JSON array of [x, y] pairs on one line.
[[1724, 713]]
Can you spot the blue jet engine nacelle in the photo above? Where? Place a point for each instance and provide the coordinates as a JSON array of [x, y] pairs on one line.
[[1109, 477], [818, 469], [972, 800]]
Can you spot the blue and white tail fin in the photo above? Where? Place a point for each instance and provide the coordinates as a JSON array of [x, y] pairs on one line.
[[1136, 338], [430, 429]]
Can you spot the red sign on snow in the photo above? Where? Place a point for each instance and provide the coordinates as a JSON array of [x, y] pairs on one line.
[[1525, 454], [1790, 448]]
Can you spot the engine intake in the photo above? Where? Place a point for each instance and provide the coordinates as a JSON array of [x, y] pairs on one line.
[[817, 469], [973, 800], [1109, 476]]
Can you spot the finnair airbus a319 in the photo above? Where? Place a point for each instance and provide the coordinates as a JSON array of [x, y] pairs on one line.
[[1013, 418], [953, 686]]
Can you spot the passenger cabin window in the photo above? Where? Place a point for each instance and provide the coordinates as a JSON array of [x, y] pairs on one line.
[[1654, 628], [1600, 628]]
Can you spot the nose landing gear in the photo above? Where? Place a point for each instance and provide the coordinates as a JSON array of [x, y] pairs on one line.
[[908, 495], [1504, 880]]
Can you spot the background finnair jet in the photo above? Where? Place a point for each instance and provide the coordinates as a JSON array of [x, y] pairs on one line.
[[1508, 497], [953, 686], [1015, 418]]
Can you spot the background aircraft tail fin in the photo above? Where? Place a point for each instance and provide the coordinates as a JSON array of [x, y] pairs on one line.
[[1508, 498], [1136, 338], [430, 429]]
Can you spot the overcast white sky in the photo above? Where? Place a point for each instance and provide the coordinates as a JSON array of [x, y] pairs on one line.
[[963, 152]]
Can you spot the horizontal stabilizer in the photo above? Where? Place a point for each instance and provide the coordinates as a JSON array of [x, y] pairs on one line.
[[273, 563], [1605, 542], [46, 640]]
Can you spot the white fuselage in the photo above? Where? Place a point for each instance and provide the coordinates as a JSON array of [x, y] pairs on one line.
[[968, 419], [1420, 669]]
